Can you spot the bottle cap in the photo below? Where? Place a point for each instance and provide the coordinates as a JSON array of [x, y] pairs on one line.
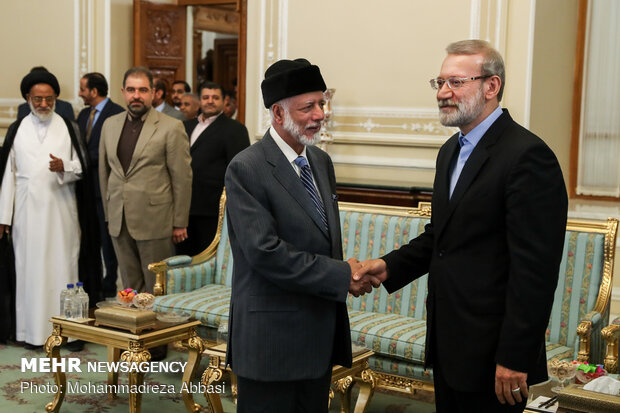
[[69, 285], [79, 284]]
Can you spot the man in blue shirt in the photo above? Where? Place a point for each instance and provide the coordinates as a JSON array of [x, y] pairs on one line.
[[94, 93], [493, 247]]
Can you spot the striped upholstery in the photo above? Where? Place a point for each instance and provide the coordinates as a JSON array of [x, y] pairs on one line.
[[394, 325]]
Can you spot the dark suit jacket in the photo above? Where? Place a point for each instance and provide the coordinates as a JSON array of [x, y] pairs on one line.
[[211, 154], [63, 108], [108, 110], [493, 253], [288, 318]]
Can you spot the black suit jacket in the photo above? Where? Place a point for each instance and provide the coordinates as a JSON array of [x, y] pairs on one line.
[[288, 317], [493, 252], [211, 154], [108, 110], [63, 108]]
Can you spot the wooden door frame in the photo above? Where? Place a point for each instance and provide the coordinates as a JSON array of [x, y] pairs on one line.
[[241, 6]]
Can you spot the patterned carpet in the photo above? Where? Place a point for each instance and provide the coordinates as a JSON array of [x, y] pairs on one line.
[[29, 392]]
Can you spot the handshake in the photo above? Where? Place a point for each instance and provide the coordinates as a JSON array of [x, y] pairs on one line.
[[365, 275]]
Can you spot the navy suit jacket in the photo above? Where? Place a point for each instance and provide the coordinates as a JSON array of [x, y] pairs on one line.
[[92, 146], [63, 108], [492, 252], [288, 318]]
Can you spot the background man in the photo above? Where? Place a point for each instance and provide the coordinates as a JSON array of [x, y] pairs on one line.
[[288, 319], [145, 177], [62, 107], [214, 141], [190, 105], [493, 246], [94, 93], [230, 104], [159, 100], [179, 88], [47, 210]]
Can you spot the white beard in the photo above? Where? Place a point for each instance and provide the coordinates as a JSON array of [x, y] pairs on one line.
[[466, 111], [297, 132], [43, 117]]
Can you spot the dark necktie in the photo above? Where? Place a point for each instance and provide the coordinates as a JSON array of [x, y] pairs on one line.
[[89, 127], [306, 179]]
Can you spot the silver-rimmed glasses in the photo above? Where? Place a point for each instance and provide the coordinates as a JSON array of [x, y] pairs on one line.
[[454, 82]]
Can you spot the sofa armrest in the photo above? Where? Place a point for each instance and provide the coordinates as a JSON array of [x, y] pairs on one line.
[[611, 334], [168, 270], [590, 341]]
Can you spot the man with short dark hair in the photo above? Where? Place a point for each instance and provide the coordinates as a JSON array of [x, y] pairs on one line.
[[214, 141], [94, 93], [493, 247], [145, 178], [230, 104], [160, 89], [179, 88]]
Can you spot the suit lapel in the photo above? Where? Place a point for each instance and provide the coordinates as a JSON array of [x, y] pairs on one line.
[[285, 174], [472, 167], [148, 130], [209, 131]]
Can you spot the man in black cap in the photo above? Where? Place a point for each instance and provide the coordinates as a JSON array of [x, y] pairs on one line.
[[288, 320], [63, 108], [48, 209]]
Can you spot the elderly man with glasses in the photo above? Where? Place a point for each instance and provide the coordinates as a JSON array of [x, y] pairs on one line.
[[492, 248], [47, 205]]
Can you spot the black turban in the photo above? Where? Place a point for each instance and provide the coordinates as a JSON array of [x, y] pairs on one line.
[[286, 78], [36, 77]]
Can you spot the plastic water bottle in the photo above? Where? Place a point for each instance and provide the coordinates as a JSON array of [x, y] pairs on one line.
[[67, 302], [81, 301]]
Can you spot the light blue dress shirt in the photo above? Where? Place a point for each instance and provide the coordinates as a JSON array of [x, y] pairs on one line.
[[468, 143], [99, 108]]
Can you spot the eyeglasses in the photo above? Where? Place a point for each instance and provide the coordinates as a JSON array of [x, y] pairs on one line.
[[454, 82], [38, 99]]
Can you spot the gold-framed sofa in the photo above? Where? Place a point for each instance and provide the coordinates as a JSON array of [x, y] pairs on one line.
[[394, 325], [611, 335]]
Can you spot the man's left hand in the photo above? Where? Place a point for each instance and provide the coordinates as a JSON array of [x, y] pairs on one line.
[[506, 381], [56, 164], [179, 235]]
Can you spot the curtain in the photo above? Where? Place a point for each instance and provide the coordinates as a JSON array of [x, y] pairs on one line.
[[599, 144]]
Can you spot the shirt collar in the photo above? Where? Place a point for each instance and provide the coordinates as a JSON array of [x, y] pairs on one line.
[[290, 154], [100, 105], [474, 136], [131, 118], [160, 107], [208, 120]]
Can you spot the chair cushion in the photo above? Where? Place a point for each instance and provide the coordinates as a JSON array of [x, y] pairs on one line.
[[209, 304], [400, 368], [559, 352], [390, 335]]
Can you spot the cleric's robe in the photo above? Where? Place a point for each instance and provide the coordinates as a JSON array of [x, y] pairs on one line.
[[41, 207]]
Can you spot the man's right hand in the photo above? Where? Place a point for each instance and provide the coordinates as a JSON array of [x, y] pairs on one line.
[[363, 284], [4, 229], [376, 268]]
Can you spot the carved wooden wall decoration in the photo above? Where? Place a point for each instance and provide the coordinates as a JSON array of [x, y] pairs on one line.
[[220, 20], [159, 39]]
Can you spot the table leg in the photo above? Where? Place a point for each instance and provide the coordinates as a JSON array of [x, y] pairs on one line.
[[196, 347], [343, 387], [136, 354], [367, 388], [114, 355], [52, 349], [212, 374]]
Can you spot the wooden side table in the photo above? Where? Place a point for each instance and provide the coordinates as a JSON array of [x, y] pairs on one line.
[[343, 379], [134, 349]]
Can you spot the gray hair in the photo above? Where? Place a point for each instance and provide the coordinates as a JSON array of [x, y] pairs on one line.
[[493, 64], [285, 103]]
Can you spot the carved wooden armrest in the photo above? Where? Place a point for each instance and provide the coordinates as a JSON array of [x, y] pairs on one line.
[[611, 334], [161, 268]]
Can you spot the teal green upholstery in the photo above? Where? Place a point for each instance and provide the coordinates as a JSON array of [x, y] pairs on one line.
[[394, 325]]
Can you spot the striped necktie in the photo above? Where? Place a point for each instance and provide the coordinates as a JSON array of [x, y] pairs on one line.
[[306, 179], [89, 127]]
